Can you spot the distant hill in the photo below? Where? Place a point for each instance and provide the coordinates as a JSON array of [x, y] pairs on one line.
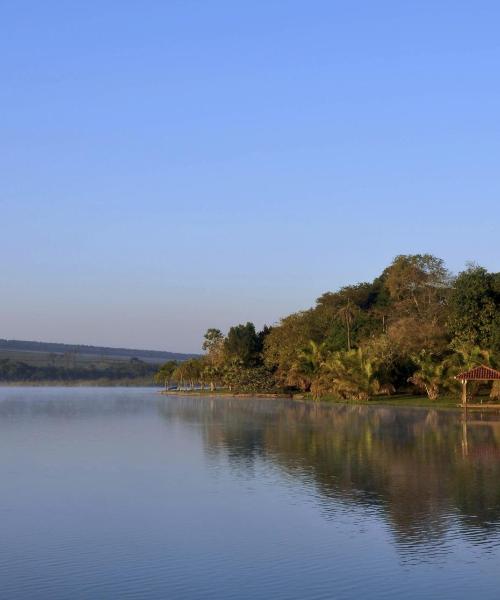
[[21, 348]]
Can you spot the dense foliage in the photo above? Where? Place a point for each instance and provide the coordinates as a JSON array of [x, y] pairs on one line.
[[411, 329]]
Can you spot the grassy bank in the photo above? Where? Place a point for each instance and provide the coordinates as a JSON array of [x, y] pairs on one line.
[[395, 400]]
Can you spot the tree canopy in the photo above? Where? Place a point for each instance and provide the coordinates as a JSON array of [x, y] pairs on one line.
[[410, 329]]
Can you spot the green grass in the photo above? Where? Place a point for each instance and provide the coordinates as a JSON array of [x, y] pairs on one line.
[[395, 400]]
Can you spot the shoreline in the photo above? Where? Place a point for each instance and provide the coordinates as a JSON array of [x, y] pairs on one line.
[[397, 400]]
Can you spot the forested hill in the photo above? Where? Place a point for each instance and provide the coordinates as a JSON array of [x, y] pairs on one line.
[[412, 329], [156, 356]]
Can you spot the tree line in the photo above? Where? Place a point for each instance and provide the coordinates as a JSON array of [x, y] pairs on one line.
[[409, 330], [20, 371]]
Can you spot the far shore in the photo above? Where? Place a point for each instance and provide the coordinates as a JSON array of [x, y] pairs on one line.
[[80, 383]]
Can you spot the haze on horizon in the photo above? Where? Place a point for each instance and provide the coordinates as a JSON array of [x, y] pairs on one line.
[[185, 165]]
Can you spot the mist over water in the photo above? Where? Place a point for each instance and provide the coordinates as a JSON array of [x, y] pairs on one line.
[[123, 493]]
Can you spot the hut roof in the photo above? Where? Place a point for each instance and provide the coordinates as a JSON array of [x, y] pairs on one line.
[[481, 373]]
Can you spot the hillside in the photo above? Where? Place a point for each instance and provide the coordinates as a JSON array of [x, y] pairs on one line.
[[41, 353], [36, 362]]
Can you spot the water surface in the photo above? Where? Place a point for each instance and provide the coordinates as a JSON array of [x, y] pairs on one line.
[[122, 493]]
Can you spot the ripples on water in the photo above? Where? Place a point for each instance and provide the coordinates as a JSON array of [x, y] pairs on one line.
[[122, 493]]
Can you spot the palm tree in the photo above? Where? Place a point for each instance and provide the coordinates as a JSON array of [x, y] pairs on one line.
[[307, 367], [467, 357], [352, 374], [347, 313], [431, 374]]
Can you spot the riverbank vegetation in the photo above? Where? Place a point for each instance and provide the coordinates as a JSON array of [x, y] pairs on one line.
[[29, 362], [133, 371], [409, 331]]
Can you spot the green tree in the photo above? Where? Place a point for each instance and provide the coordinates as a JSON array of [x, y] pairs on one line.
[[347, 313], [165, 372], [194, 370], [418, 287], [213, 342], [242, 344], [352, 374], [239, 378], [474, 318], [418, 284], [307, 368], [213, 374], [431, 374], [189, 371], [231, 373], [287, 339]]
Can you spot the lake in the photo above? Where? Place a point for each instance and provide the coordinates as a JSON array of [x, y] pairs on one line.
[[124, 493]]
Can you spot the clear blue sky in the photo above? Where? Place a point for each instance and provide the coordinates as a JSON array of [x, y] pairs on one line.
[[170, 166]]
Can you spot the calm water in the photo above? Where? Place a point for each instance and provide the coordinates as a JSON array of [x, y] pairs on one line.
[[122, 493]]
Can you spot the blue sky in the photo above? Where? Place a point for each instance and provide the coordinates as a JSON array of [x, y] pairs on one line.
[[170, 166]]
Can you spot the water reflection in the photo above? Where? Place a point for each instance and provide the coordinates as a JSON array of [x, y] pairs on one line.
[[118, 493], [431, 473]]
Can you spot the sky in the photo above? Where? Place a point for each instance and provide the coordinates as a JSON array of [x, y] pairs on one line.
[[169, 166]]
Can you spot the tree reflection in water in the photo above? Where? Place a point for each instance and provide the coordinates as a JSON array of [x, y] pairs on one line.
[[430, 473]]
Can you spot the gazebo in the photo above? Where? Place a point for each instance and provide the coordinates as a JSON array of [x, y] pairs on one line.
[[481, 373]]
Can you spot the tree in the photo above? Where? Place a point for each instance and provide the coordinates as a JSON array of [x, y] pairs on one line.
[[193, 371], [261, 338], [418, 287], [213, 344], [231, 373], [431, 374], [475, 309], [242, 343], [393, 366], [347, 313], [411, 334], [286, 339], [418, 284], [364, 338], [189, 371], [213, 374], [165, 372], [352, 374], [308, 365], [239, 378]]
